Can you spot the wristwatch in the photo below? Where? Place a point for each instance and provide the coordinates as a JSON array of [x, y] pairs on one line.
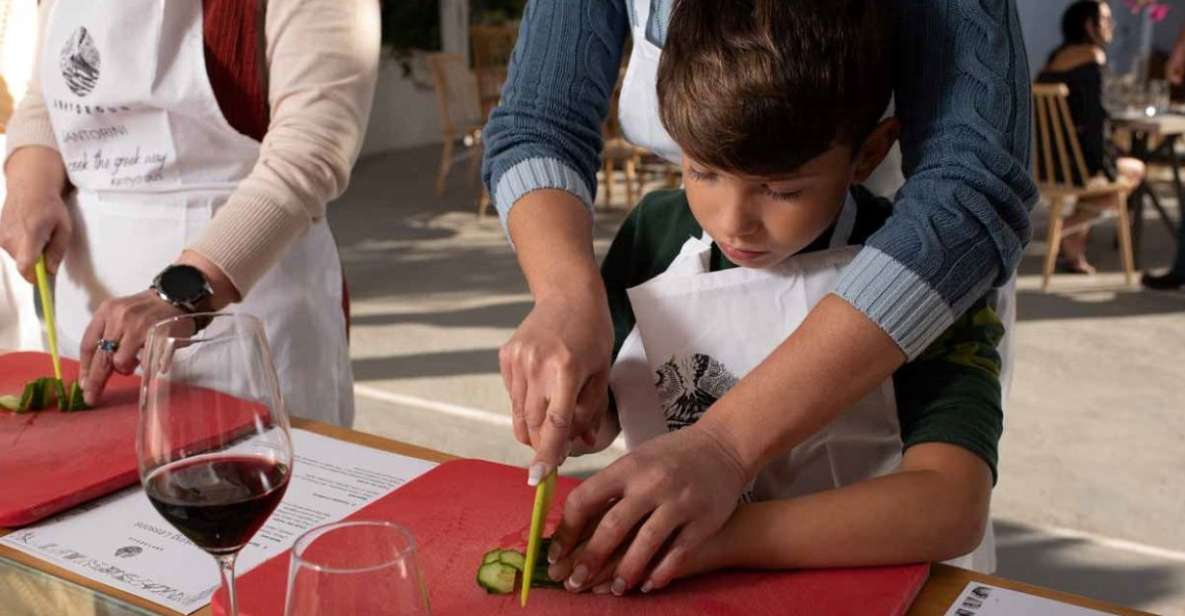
[[186, 288]]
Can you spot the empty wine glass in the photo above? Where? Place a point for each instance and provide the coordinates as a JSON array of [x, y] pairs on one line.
[[355, 567], [213, 444]]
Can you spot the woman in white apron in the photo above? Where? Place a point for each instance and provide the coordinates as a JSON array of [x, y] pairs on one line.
[[124, 104]]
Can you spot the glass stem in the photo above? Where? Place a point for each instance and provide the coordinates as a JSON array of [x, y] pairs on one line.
[[226, 567]]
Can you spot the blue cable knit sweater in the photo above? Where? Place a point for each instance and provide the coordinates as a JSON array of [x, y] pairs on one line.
[[959, 224]]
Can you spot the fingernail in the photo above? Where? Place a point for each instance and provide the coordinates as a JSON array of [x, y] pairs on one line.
[[579, 576], [618, 587], [603, 589], [553, 553], [647, 587], [536, 473]]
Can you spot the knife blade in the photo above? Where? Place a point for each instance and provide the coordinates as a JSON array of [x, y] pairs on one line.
[[543, 494], [51, 329]]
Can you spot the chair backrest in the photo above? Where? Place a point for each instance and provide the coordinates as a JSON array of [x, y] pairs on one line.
[[456, 93], [1057, 155], [492, 46]]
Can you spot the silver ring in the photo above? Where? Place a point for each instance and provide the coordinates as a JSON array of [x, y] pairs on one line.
[[108, 346]]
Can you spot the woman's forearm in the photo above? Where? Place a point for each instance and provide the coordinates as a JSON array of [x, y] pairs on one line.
[[552, 235], [830, 362], [35, 171], [322, 67], [915, 515]]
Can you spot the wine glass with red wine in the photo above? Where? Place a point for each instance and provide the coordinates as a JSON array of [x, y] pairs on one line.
[[213, 444]]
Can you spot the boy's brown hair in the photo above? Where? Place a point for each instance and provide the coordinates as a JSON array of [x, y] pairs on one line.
[[760, 87]]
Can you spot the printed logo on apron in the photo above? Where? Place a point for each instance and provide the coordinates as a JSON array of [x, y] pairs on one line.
[[80, 62], [688, 385]]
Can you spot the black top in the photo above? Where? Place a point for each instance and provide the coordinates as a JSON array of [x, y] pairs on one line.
[[1085, 83]]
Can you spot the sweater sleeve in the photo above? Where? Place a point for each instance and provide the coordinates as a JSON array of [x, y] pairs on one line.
[[546, 133], [322, 58], [29, 124], [961, 221]]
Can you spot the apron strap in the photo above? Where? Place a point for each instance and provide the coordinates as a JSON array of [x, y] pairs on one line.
[[845, 224]]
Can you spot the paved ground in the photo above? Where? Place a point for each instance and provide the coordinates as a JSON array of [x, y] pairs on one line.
[[1091, 497]]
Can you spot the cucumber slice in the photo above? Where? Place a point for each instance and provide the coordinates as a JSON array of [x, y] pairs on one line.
[[10, 403], [33, 398], [71, 399], [491, 556], [496, 578], [513, 558]]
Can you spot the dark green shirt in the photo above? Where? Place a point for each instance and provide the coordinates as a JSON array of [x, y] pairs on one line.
[[949, 394]]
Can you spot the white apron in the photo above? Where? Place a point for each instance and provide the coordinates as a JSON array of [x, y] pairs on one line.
[[153, 159], [699, 332]]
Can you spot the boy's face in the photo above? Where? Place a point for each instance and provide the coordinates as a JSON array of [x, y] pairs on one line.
[[760, 221]]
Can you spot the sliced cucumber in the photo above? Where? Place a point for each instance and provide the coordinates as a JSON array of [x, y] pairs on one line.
[[496, 578], [70, 399], [512, 558], [10, 403], [34, 396], [499, 568]]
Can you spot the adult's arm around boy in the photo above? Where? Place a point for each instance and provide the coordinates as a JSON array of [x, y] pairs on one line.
[[961, 221]]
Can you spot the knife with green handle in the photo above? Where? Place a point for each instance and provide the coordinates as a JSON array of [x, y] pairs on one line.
[[543, 493], [51, 328]]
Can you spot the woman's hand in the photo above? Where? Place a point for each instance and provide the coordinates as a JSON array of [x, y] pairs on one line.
[[35, 220], [126, 321], [556, 369], [1176, 65], [676, 490]]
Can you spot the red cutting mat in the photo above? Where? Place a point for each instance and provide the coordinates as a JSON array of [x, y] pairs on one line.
[[51, 461], [461, 509]]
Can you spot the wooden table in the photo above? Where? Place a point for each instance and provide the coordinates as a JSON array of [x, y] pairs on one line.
[[1153, 139], [23, 578]]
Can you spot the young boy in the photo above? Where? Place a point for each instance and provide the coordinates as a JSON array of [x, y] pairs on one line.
[[777, 108]]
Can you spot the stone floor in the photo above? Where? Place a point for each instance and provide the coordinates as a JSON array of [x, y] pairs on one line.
[[1091, 496]]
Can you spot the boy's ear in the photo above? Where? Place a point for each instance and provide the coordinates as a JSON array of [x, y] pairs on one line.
[[874, 149]]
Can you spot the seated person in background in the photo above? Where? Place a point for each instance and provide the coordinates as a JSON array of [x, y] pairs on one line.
[[1087, 28], [777, 108]]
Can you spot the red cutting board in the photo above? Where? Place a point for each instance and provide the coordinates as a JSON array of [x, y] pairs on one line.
[[461, 509], [51, 461]]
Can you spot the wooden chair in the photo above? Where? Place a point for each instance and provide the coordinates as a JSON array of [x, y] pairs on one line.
[[461, 119], [491, 46], [619, 152], [1062, 177]]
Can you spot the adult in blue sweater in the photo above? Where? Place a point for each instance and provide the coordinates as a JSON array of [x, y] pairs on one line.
[[959, 227]]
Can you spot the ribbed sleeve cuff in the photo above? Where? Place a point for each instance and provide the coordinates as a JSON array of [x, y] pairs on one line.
[[896, 299], [28, 131], [537, 174], [248, 236]]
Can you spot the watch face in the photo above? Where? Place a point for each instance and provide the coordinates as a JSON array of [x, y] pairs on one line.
[[183, 283]]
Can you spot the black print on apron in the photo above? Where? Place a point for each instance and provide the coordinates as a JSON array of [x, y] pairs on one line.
[[688, 385], [80, 62]]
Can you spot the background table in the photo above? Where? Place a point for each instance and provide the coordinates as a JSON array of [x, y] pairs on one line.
[[1153, 141], [29, 586]]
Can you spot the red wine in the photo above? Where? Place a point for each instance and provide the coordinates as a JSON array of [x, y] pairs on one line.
[[218, 501]]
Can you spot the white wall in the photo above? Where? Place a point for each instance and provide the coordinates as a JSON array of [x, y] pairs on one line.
[[404, 115]]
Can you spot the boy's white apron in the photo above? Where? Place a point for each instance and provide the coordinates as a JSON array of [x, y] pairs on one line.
[[153, 159], [699, 332]]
